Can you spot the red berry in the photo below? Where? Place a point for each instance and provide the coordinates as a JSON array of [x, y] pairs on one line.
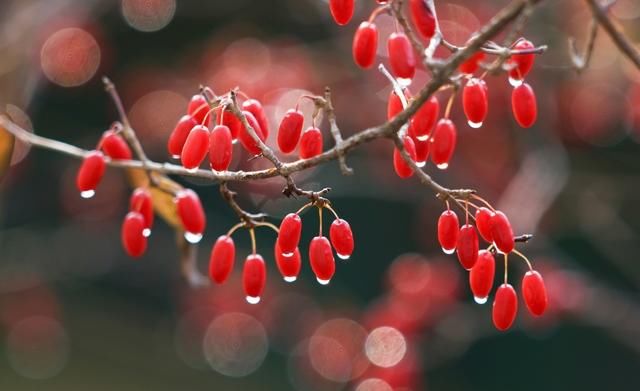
[[481, 276], [290, 130], [523, 103], [424, 119], [191, 214], [341, 10], [223, 255], [255, 107], [90, 173], [401, 57], [444, 143], [254, 277], [195, 148], [505, 307], [245, 138], [483, 222], [474, 102], [394, 104], [402, 168], [289, 233], [228, 119], [534, 292], [522, 63], [321, 258], [133, 239], [448, 231], [310, 143], [198, 108], [179, 135], [142, 202], [289, 266], [502, 233], [341, 238], [365, 44], [422, 150], [220, 148], [467, 246], [115, 146], [422, 18], [472, 63]]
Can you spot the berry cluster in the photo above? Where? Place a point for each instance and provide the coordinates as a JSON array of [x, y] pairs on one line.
[[494, 228], [286, 251]]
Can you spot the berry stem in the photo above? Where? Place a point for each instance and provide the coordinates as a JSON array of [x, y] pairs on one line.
[[269, 225], [235, 228], [477, 197], [252, 233], [377, 12], [305, 206], [506, 267], [332, 211], [523, 257], [447, 110], [320, 220]]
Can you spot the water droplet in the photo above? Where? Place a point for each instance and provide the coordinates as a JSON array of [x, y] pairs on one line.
[[192, 170], [146, 232], [323, 282], [421, 164], [87, 194], [343, 256], [448, 251], [480, 300], [475, 125], [253, 299], [290, 278], [234, 141], [175, 156], [423, 138], [443, 166], [515, 82], [192, 237], [287, 255], [404, 82]]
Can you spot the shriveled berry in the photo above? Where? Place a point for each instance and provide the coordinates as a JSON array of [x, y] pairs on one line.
[[289, 233], [341, 10], [290, 130], [401, 57], [220, 148], [403, 170], [142, 202], [90, 173], [341, 238], [223, 255], [115, 146], [191, 214], [289, 266], [534, 292], [472, 63], [422, 18], [505, 307], [524, 105], [254, 277], [365, 44], [245, 138], [424, 119], [255, 107], [522, 63], [179, 135], [133, 239], [321, 258], [228, 119], [195, 148], [448, 231], [502, 233], [467, 246], [444, 143], [198, 108], [483, 222], [310, 143], [475, 102], [481, 276]]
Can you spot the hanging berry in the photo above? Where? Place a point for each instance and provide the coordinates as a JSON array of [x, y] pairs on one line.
[[523, 103], [133, 238], [289, 266], [321, 258], [115, 146], [444, 143], [394, 104], [255, 107], [534, 292], [179, 135], [289, 233], [228, 119], [223, 255], [505, 307], [481, 276], [422, 18], [472, 63], [422, 150], [90, 173], [467, 246], [424, 119], [475, 102], [142, 202], [448, 231], [220, 148], [341, 238], [254, 277], [310, 143], [245, 138], [521, 63], [401, 57], [195, 148], [403, 170], [342, 10], [290, 130], [483, 222], [365, 44], [502, 233], [198, 108], [191, 214]]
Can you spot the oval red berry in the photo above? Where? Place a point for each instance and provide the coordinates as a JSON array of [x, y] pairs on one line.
[[422, 18], [401, 57], [179, 135], [142, 202], [245, 138], [467, 246], [90, 173], [444, 141], [403, 170], [481, 276], [475, 102], [341, 238], [289, 266], [365, 45], [448, 231], [321, 258], [289, 233], [290, 130], [220, 148], [115, 146], [254, 277], [502, 233], [524, 105], [483, 222], [198, 108], [342, 10], [133, 239], [534, 292], [223, 255], [310, 143], [255, 107], [191, 213], [505, 307], [195, 148]]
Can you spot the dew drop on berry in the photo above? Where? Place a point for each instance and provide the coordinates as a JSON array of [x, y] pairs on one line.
[[480, 300], [323, 282], [474, 125], [146, 232], [253, 299], [87, 194], [192, 237], [448, 251], [443, 166], [515, 82], [290, 278]]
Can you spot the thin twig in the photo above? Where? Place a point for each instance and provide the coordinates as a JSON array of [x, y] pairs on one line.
[[581, 61]]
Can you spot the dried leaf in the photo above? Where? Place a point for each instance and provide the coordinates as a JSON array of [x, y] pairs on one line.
[[7, 141]]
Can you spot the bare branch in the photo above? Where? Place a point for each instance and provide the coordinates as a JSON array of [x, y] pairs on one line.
[[580, 62]]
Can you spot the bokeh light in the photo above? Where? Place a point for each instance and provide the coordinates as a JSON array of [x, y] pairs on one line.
[[70, 57], [148, 15], [385, 346], [373, 384]]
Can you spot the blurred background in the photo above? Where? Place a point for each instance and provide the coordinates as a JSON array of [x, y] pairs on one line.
[[77, 314]]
